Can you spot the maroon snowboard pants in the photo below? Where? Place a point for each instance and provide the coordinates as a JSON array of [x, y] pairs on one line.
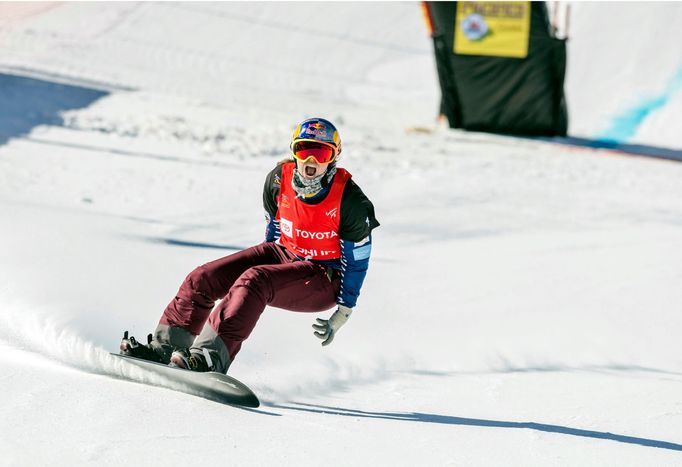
[[245, 282]]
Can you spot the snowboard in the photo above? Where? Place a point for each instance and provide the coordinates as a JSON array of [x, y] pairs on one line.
[[210, 385]]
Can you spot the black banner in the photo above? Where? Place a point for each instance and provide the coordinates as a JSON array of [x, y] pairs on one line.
[[501, 94]]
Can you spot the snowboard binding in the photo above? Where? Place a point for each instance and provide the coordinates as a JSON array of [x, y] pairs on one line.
[[193, 361], [130, 347]]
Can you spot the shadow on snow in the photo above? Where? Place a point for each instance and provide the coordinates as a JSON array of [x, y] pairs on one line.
[[462, 421], [28, 102], [191, 244], [620, 147]]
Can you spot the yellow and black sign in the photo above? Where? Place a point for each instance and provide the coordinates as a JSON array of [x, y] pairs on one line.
[[497, 29]]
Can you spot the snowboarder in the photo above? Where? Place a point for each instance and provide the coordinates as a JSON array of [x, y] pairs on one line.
[[315, 256]]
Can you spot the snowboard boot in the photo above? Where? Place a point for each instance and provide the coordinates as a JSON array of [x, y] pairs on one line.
[[152, 351], [193, 360]]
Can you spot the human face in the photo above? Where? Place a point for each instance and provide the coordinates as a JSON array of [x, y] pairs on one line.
[[311, 168]]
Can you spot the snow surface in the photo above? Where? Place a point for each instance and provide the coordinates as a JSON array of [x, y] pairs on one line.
[[522, 304], [624, 71]]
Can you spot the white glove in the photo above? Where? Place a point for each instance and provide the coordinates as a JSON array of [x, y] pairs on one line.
[[326, 329]]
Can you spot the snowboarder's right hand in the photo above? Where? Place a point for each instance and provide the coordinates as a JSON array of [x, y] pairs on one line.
[[326, 329]]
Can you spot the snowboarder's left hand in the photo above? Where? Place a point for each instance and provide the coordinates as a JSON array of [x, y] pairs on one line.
[[326, 329]]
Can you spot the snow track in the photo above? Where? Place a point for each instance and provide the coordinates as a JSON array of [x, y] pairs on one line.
[[25, 329], [522, 302]]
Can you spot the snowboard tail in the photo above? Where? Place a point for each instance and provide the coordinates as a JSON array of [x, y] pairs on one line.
[[210, 385]]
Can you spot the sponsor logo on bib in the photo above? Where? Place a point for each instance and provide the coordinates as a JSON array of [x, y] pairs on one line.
[[286, 227]]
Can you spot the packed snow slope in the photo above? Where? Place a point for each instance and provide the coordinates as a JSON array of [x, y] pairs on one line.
[[522, 303], [624, 71]]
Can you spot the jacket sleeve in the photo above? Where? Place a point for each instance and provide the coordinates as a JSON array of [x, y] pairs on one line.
[[357, 223], [354, 264], [270, 194]]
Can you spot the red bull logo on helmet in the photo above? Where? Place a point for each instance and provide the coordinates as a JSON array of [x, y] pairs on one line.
[[316, 129]]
